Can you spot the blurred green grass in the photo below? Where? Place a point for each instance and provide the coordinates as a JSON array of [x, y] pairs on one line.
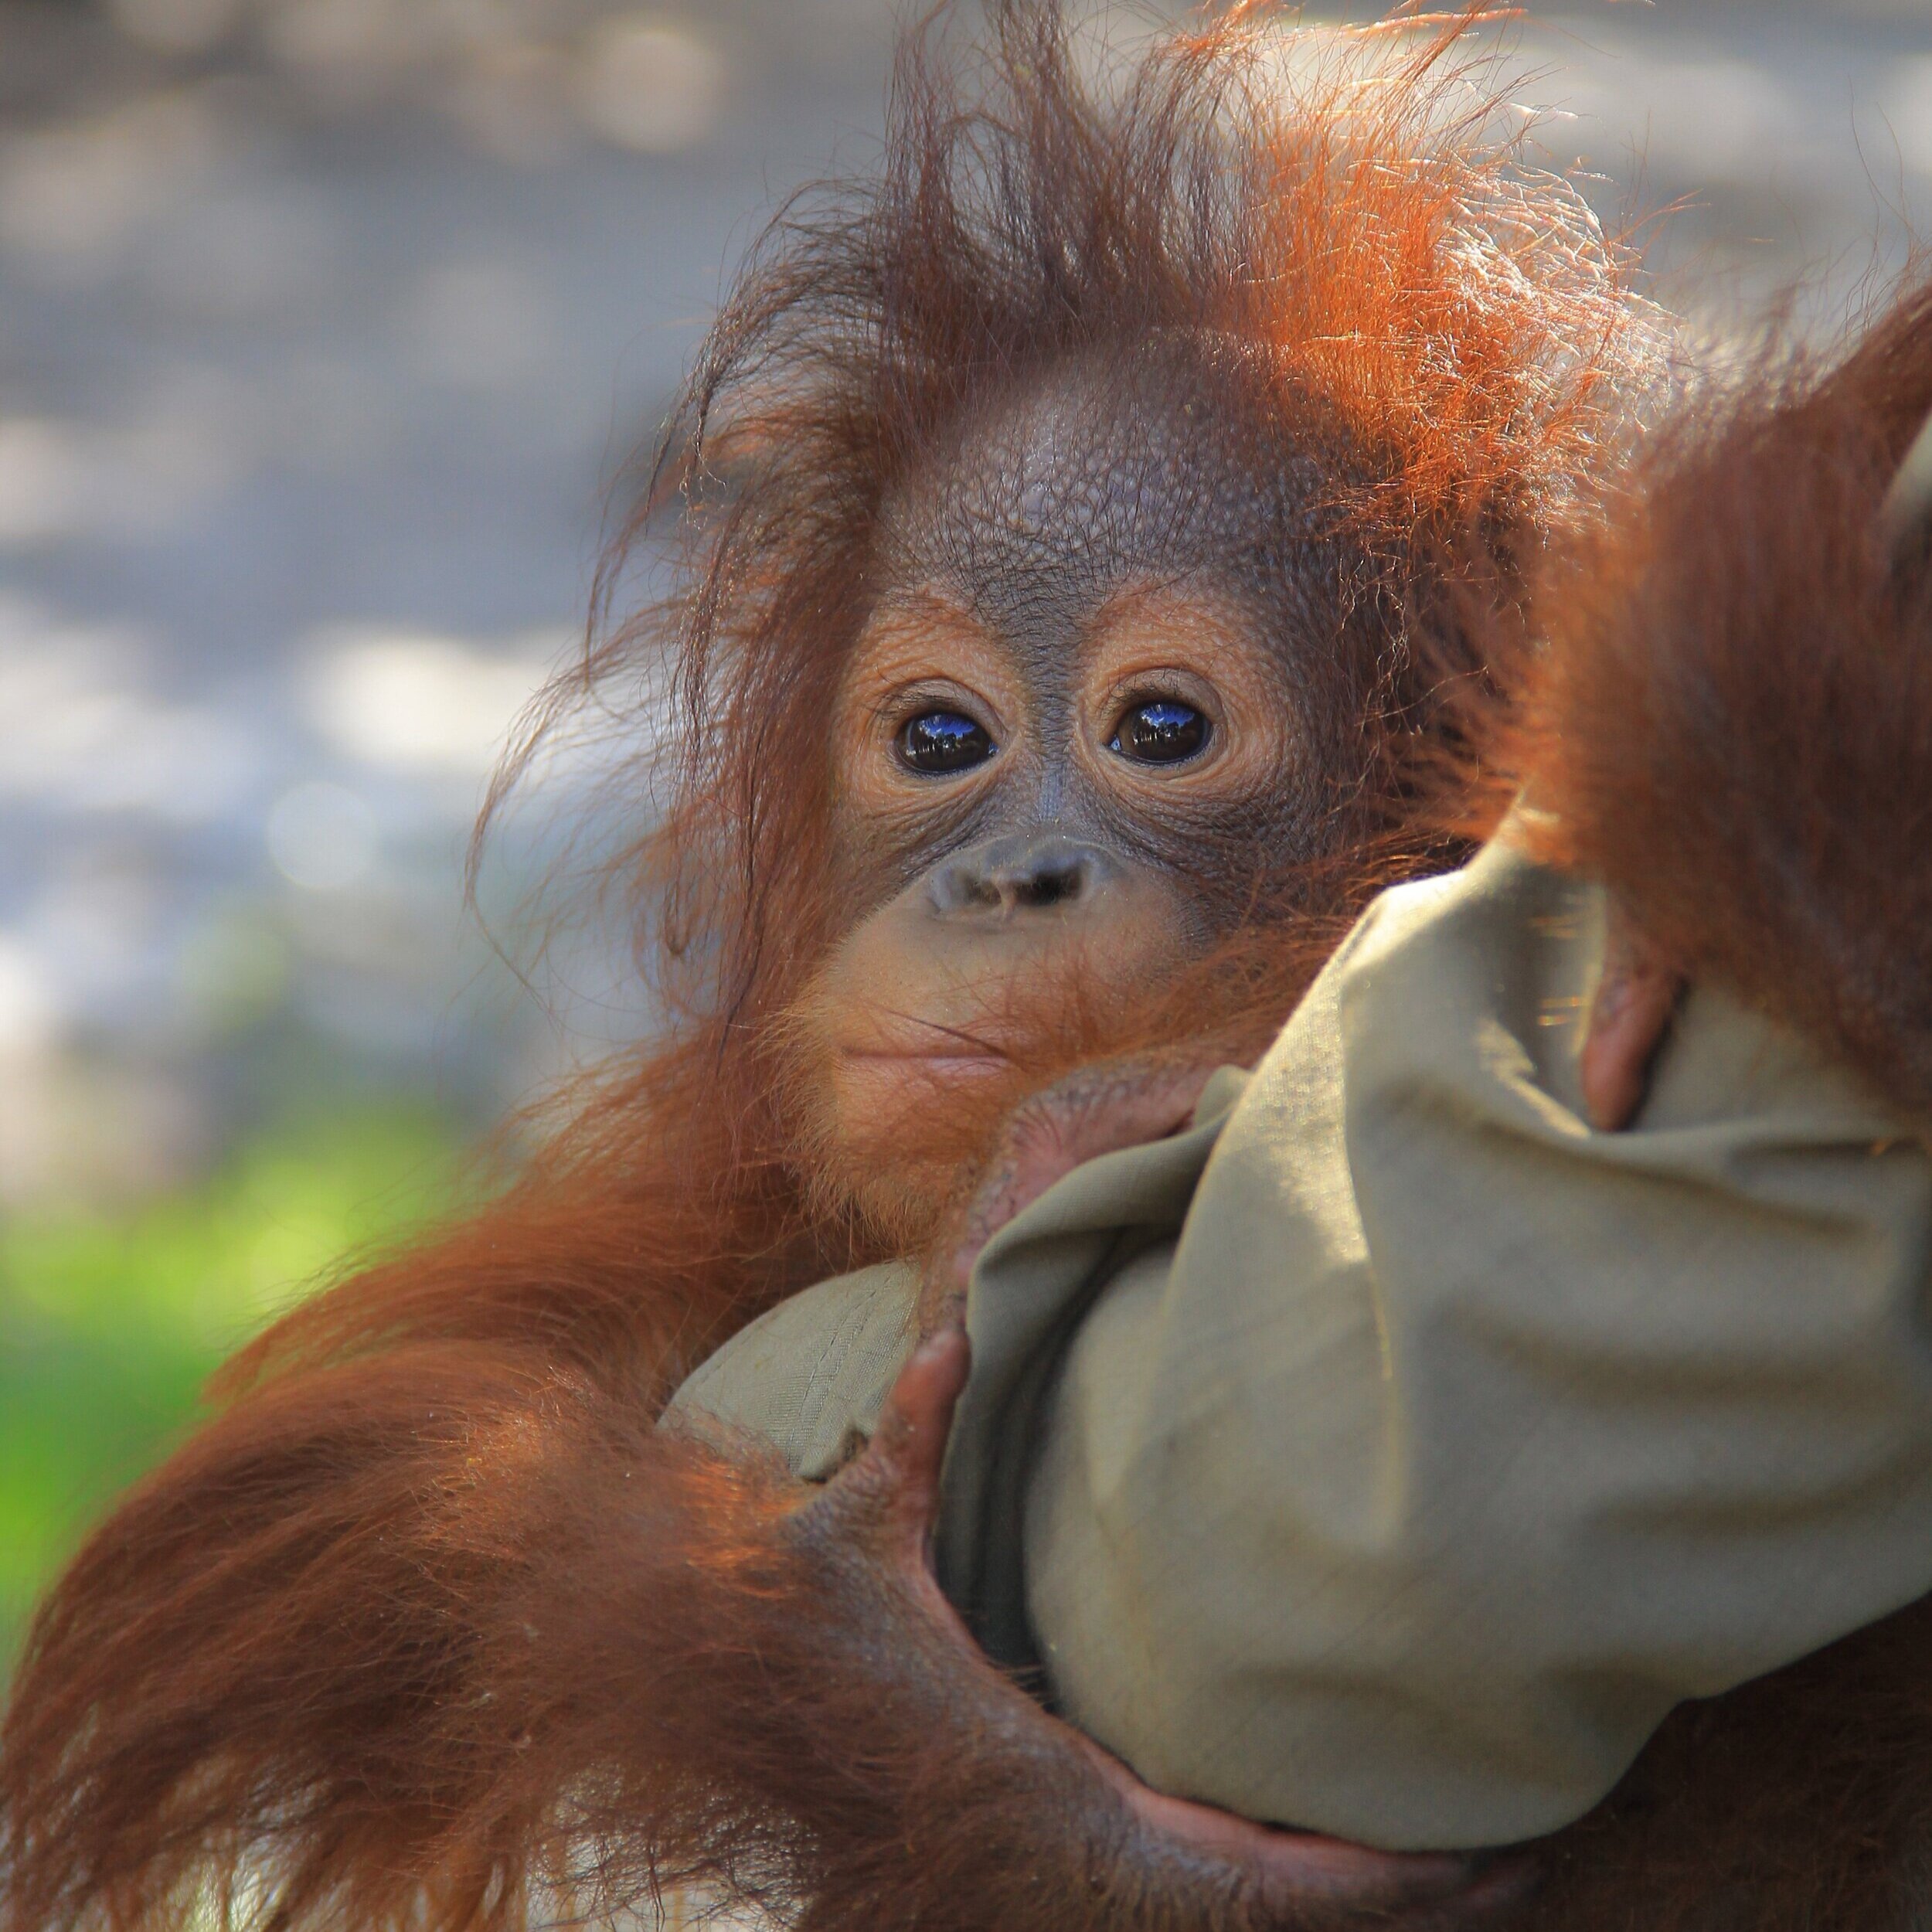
[[110, 1321]]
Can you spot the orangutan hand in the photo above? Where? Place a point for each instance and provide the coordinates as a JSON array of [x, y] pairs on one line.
[[1072, 1824], [1637, 997], [1093, 1111]]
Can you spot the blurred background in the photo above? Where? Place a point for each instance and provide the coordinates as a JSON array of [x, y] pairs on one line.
[[325, 327]]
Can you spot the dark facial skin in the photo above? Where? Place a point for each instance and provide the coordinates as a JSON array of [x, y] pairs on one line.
[[1094, 711]]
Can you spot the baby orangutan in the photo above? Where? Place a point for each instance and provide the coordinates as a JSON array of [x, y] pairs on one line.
[[1091, 524], [1730, 723]]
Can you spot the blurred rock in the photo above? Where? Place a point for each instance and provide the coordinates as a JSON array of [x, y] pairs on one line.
[[72, 193], [415, 701], [651, 83], [177, 26]]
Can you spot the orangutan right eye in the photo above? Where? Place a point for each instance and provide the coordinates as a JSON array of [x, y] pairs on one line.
[[939, 741]]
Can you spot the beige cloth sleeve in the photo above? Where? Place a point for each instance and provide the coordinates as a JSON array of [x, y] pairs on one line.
[[812, 1374], [1386, 1456]]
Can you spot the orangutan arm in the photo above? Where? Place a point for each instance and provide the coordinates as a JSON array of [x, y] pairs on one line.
[[900, 1780]]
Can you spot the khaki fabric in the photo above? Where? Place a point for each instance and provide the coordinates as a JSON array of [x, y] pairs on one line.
[[812, 1374], [1389, 1454]]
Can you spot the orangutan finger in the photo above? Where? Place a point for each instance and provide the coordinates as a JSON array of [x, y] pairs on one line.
[[1102, 1109], [1096, 1111], [1628, 1018], [1287, 1872], [898, 1473]]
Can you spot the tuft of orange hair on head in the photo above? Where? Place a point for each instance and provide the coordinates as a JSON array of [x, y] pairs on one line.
[[1461, 310]]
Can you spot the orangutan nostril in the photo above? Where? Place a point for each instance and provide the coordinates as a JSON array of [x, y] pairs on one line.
[[1021, 874]]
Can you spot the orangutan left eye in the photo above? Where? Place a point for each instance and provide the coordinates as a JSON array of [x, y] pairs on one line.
[[1162, 732], [938, 742]]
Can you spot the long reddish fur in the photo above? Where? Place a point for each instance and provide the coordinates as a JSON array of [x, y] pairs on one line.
[[1731, 723], [428, 1615]]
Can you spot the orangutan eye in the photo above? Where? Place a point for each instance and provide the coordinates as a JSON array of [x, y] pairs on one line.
[[1161, 733], [942, 741]]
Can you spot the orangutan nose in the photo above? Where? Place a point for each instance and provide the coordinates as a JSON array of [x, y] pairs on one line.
[[1022, 873]]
